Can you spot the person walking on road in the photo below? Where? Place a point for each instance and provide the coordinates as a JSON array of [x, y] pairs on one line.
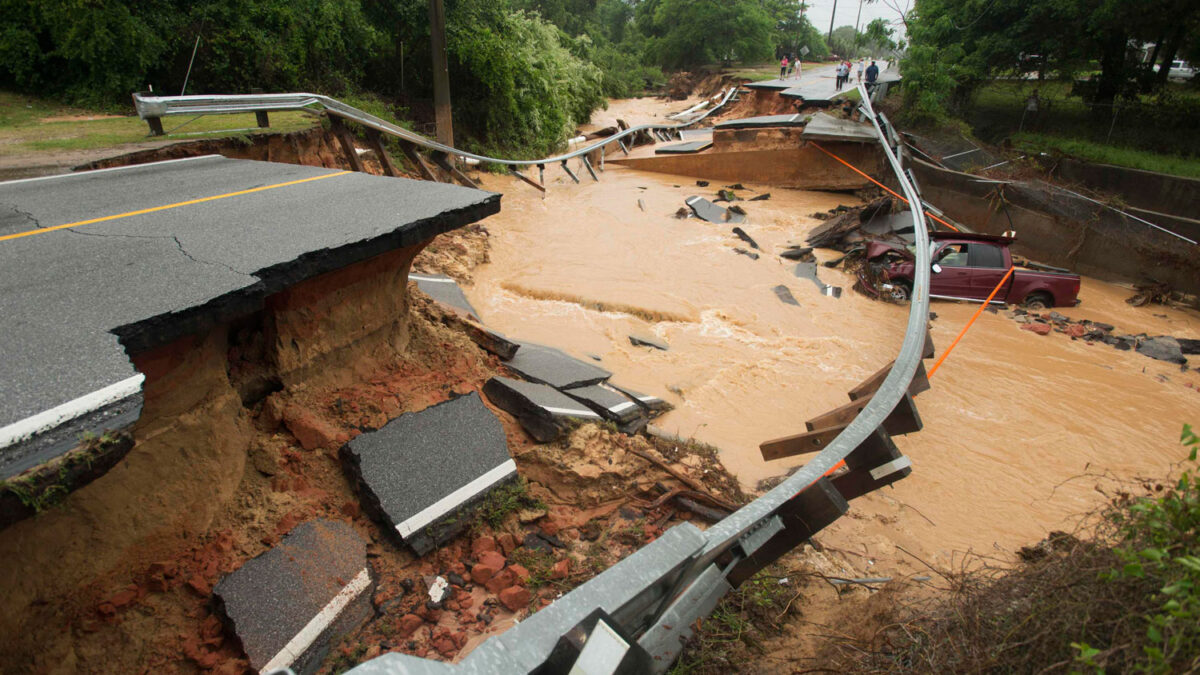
[[872, 75], [862, 64], [783, 67]]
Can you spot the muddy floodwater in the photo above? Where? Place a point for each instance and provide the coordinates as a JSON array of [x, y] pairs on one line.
[[1019, 428]]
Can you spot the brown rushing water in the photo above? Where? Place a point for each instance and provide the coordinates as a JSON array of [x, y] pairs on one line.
[[1012, 423]]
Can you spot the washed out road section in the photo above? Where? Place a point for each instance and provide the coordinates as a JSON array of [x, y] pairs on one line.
[[76, 300]]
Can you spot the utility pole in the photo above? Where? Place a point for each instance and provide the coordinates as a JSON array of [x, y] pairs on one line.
[[832, 16], [857, 19], [441, 73]]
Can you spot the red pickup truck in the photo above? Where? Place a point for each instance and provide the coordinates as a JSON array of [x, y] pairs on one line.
[[968, 267]]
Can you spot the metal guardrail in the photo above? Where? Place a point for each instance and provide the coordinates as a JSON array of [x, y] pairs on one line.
[[636, 615], [153, 108]]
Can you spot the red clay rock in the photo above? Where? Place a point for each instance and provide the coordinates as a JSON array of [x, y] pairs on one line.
[[482, 545], [549, 527], [502, 580], [481, 573], [445, 646], [457, 568], [521, 572], [493, 559], [351, 510], [408, 624], [106, 609], [1039, 328], [561, 569], [466, 602], [123, 599], [198, 585], [452, 605], [288, 522], [460, 638], [272, 412], [507, 543], [1076, 330], [310, 430], [515, 598]]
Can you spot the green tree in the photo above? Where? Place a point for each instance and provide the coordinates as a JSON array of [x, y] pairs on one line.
[[686, 33]]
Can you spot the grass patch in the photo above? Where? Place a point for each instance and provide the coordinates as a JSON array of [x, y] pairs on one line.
[[506, 500], [30, 125], [1108, 154]]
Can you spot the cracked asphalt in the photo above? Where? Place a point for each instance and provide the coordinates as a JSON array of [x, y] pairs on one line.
[[66, 295]]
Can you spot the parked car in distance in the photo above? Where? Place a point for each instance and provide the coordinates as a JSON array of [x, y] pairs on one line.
[[968, 267], [1180, 70]]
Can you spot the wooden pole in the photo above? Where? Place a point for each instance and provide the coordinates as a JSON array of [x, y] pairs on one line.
[[441, 73]]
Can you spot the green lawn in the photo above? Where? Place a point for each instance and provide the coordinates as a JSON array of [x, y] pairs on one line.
[[1108, 154], [1157, 134], [30, 125]]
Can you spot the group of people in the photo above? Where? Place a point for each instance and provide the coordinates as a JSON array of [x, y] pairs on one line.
[[788, 65], [844, 69]]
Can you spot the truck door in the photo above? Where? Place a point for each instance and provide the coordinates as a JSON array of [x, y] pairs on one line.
[[987, 269], [954, 281]]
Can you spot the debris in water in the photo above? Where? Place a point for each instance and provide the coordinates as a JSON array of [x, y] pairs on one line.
[[745, 237], [736, 186], [702, 183], [682, 213], [737, 209], [643, 341], [808, 270], [798, 253], [641, 205], [748, 254], [1163, 348], [711, 212], [785, 295], [726, 196], [761, 198]]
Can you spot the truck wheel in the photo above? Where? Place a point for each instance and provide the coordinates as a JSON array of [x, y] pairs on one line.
[[900, 292], [1038, 301]]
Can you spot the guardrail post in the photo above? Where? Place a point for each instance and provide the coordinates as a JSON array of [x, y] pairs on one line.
[[385, 160], [260, 116], [803, 516], [442, 160], [346, 140], [410, 151], [155, 123]]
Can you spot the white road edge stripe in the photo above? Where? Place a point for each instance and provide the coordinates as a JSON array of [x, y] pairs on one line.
[[76, 174], [328, 614], [48, 419], [451, 501], [571, 411], [422, 277], [621, 406]]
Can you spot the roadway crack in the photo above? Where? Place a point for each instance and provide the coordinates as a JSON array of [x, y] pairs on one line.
[[189, 256], [16, 220]]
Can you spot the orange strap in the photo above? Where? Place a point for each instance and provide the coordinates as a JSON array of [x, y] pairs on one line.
[[885, 188], [968, 326]]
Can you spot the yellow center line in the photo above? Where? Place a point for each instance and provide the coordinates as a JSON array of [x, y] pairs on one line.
[[169, 206]]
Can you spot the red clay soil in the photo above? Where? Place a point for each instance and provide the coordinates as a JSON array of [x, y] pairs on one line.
[[118, 579]]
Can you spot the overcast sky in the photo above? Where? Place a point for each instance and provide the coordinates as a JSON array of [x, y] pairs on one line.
[[819, 12]]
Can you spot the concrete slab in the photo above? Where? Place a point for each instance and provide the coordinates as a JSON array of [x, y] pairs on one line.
[[808, 270], [607, 402], [547, 365], [543, 411], [794, 120], [812, 93], [418, 473], [706, 210], [652, 403], [828, 127], [147, 254], [288, 605], [684, 148], [445, 290]]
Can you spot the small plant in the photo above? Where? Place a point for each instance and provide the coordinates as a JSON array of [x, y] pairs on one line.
[[505, 500], [1160, 544]]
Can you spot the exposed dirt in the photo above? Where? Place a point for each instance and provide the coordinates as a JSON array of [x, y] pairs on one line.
[[118, 578]]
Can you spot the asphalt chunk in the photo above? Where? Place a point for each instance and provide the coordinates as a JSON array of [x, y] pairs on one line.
[[543, 411], [419, 473], [547, 365], [607, 402], [445, 291], [290, 604]]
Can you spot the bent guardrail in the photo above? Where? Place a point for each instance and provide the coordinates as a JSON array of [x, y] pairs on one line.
[[154, 108], [636, 615]]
